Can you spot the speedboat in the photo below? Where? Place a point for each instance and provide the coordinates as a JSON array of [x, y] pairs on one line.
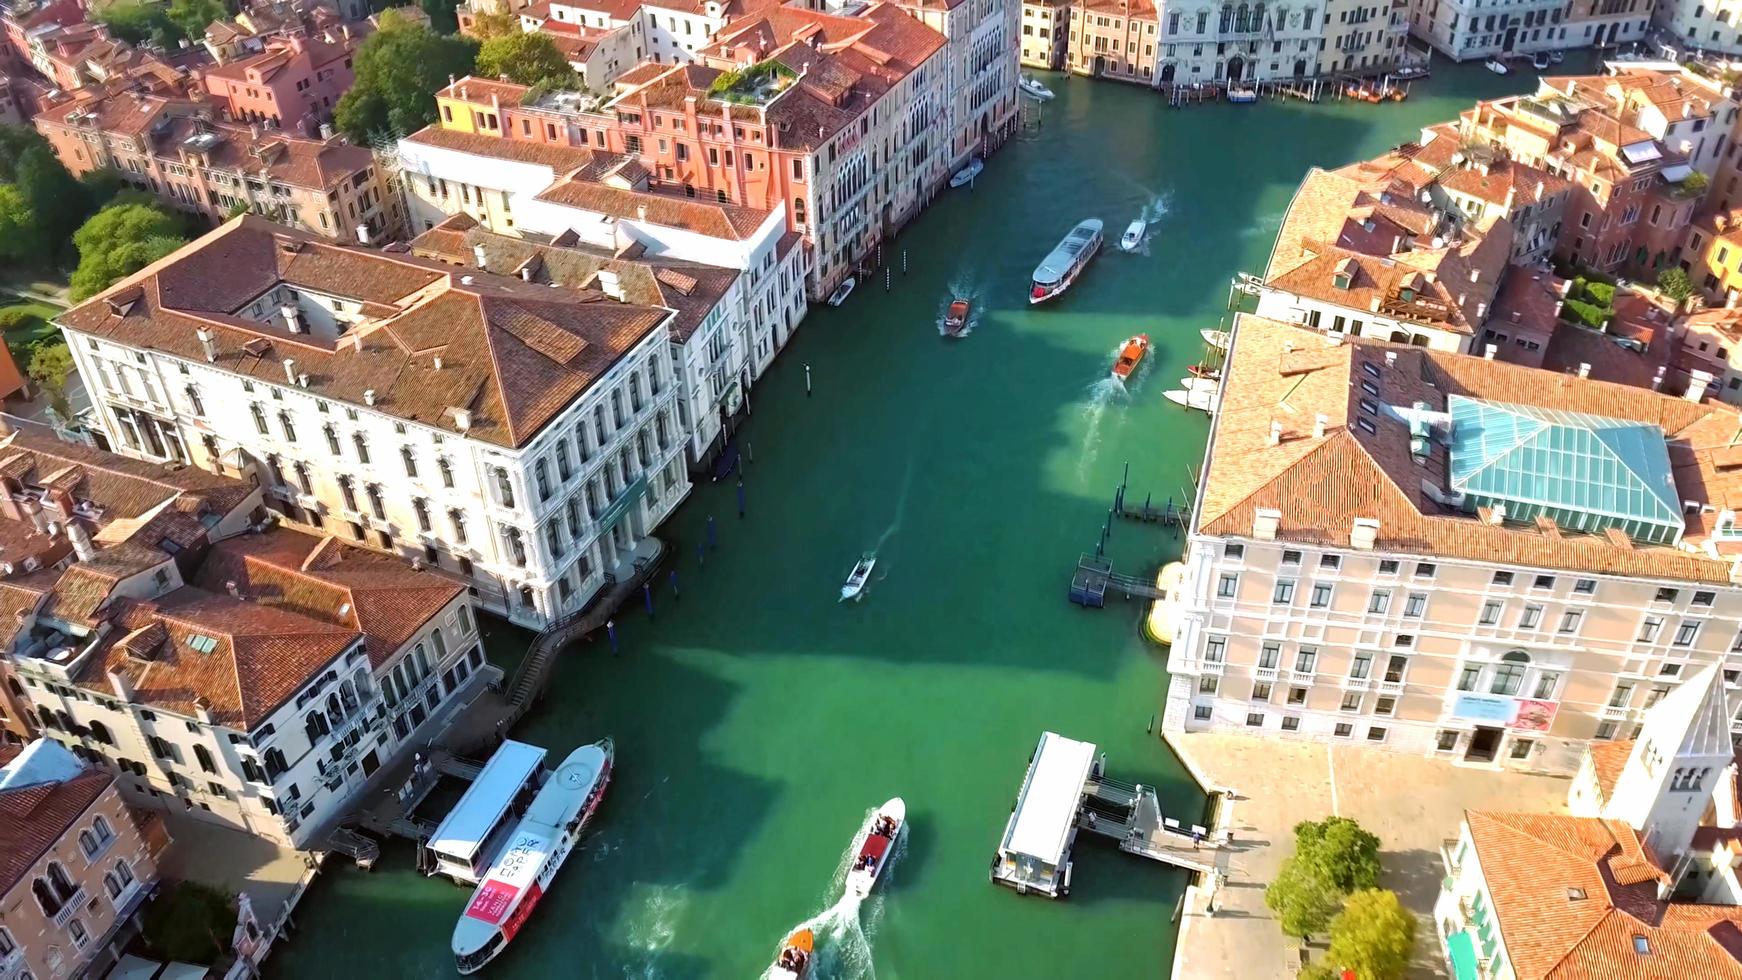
[[1242, 96], [1541, 61], [528, 862], [1032, 88], [1200, 371], [1410, 72], [1133, 236], [1497, 66], [874, 844], [1129, 356], [796, 956], [1061, 266], [956, 319], [1215, 338], [966, 175], [842, 291], [858, 577], [1556, 57], [1202, 399]]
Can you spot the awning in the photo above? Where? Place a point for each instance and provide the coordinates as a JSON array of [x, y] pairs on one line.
[[1462, 953], [1675, 173]]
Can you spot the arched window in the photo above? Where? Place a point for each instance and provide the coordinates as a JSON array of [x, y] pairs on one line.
[[1227, 19], [1240, 16], [204, 758], [335, 711], [1258, 17], [100, 732], [117, 880], [1509, 675], [315, 726], [53, 889]]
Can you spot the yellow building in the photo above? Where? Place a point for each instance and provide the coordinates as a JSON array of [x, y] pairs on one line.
[[1045, 25], [1713, 255], [1113, 39]]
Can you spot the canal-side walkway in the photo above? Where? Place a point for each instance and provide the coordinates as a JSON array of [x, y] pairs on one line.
[[1277, 783]]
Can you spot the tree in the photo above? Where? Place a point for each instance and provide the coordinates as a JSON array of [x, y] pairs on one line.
[[1339, 851], [20, 240], [443, 18], [192, 923], [1675, 284], [120, 240], [487, 26], [1302, 900], [192, 17], [527, 58], [14, 140], [1374, 936], [137, 23], [50, 364], [57, 201], [399, 69]]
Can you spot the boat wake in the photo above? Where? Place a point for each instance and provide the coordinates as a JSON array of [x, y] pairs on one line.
[[651, 930], [963, 286], [844, 930], [1103, 395], [1152, 214], [900, 509]]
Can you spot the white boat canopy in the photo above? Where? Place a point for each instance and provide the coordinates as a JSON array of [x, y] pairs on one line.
[[1047, 808], [480, 809]]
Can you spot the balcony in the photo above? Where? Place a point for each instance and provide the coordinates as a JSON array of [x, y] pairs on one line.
[[1302, 677], [1352, 683], [1391, 687], [1612, 712], [1265, 673], [70, 907]]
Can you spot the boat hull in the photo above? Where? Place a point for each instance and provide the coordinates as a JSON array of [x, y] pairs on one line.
[[858, 579], [1040, 292], [879, 847], [842, 291], [1130, 356], [966, 175]]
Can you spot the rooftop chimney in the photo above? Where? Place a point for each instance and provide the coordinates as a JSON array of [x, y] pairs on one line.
[[123, 687], [1264, 523], [462, 419], [1275, 432], [1319, 422], [1488, 351], [1697, 382], [1363, 534], [209, 344], [436, 361], [290, 369], [369, 396], [362, 230], [1584, 369], [231, 587], [1390, 358], [81, 540], [292, 317], [479, 257]]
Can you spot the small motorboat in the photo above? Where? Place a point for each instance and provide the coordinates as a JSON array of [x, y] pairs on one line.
[[1215, 338], [1129, 356], [796, 954], [1410, 72], [1541, 61], [1497, 66], [1032, 88], [1200, 371], [1133, 236], [966, 175], [861, 574], [1242, 96], [1556, 57], [956, 318], [1202, 399], [874, 845], [1200, 383], [842, 291]]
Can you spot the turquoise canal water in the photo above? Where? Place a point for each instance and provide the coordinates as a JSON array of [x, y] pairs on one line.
[[758, 719]]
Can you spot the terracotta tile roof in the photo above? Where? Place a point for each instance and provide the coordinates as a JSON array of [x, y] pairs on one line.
[[562, 159], [475, 89], [1529, 861], [513, 354], [716, 220], [34, 818], [382, 597], [1283, 373], [1607, 760], [259, 656]]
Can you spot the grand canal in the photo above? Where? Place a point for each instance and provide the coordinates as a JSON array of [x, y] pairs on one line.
[[757, 719]]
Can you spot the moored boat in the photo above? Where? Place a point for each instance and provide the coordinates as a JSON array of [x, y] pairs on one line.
[[856, 579], [1215, 338], [874, 845], [1411, 72], [956, 318], [1130, 355], [1065, 262], [796, 955], [1556, 57], [1497, 66], [967, 174], [842, 291], [1203, 399], [1133, 236], [1032, 88], [1200, 383], [528, 862], [1242, 95], [1200, 371], [1541, 61]]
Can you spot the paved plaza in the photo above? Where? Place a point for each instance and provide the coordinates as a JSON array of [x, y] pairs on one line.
[[1411, 802]]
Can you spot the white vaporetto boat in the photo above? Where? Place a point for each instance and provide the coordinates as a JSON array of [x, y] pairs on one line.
[[1133, 236], [874, 845], [523, 871], [1032, 88], [966, 175], [1068, 258], [1202, 399], [842, 291], [858, 577]]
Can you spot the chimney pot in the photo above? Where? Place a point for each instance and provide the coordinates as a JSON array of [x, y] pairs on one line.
[[292, 317], [479, 256], [208, 344], [1275, 432], [290, 369], [1320, 421], [1489, 350], [1584, 369], [369, 396]]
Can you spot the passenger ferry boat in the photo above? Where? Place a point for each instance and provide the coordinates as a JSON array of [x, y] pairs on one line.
[[796, 957], [1130, 356], [1062, 265], [875, 843], [523, 872]]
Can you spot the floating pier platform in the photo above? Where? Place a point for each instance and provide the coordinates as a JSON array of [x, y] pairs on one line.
[[1066, 790]]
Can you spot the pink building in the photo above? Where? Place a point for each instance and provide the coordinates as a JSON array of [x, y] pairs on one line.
[[294, 83]]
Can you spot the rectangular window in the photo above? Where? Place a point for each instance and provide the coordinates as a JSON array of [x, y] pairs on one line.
[[1585, 586], [1261, 691], [1375, 734], [1283, 594], [1344, 730], [1530, 618], [1490, 613], [1546, 682], [1207, 684], [1351, 701], [1648, 630], [1469, 676], [1297, 695], [1380, 601], [1445, 740], [1416, 607], [1321, 596], [1622, 694], [1269, 654], [1227, 586], [1686, 633], [1425, 569], [1291, 724], [1254, 719], [1570, 621], [1305, 659], [1361, 667]]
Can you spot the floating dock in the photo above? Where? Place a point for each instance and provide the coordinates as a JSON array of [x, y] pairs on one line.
[[1067, 790]]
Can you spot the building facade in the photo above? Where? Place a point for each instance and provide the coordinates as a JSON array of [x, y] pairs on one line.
[[1045, 28], [293, 83]]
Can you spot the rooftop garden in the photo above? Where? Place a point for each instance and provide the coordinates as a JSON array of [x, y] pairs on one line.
[[752, 84], [1590, 303]]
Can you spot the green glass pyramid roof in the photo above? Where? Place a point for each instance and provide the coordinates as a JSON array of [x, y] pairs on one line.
[[1587, 472]]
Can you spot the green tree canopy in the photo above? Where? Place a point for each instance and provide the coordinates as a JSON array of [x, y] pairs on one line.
[[527, 58], [50, 364], [1374, 936], [399, 69], [1340, 851], [1675, 284], [120, 240], [136, 23], [191, 17], [14, 140], [57, 201], [487, 26], [1303, 901]]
